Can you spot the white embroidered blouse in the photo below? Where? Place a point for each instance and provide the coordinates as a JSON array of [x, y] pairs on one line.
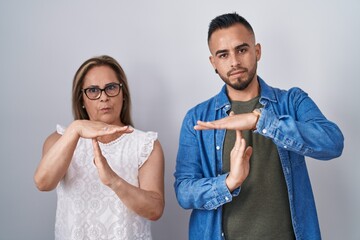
[[86, 208]]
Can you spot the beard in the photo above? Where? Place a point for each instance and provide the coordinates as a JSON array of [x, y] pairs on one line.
[[241, 83]]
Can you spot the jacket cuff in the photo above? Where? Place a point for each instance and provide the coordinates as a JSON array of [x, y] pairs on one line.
[[221, 192]]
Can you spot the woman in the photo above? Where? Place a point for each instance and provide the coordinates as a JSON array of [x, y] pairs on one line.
[[109, 176]]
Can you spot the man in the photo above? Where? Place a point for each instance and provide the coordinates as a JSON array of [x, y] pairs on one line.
[[261, 191]]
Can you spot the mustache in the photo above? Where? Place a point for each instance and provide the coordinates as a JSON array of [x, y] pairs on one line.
[[235, 70]]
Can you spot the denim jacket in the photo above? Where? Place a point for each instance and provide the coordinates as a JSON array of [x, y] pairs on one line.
[[297, 127]]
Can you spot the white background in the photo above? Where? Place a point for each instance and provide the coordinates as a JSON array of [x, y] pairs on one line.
[[162, 47]]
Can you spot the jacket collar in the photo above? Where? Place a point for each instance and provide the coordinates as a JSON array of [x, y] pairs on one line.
[[266, 92], [222, 100]]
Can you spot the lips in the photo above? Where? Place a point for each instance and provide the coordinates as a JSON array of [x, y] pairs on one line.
[[236, 72], [105, 109]]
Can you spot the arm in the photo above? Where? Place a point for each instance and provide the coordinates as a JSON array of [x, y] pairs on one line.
[[299, 127], [195, 185], [147, 200], [309, 135], [59, 149]]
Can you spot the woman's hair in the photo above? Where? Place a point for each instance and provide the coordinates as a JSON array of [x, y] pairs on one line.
[[79, 111]]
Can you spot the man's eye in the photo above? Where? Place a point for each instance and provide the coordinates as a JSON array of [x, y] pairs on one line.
[[222, 55]]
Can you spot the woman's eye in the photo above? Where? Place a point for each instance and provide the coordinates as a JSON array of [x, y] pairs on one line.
[[111, 87], [93, 90]]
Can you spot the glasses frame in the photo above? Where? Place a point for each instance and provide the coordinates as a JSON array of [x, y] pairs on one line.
[[84, 90]]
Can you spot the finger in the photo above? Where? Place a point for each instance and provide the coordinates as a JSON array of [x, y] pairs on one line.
[[248, 153], [96, 147], [242, 145], [228, 122], [110, 129], [208, 125], [203, 125], [238, 138], [231, 113], [126, 129]]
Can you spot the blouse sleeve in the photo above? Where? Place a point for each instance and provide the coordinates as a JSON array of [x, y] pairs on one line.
[[147, 147], [60, 129]]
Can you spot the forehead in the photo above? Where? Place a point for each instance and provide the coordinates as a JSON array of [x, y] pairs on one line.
[[227, 38], [100, 75]]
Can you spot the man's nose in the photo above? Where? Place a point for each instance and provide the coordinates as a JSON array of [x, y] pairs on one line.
[[235, 60]]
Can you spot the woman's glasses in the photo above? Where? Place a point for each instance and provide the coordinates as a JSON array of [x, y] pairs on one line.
[[110, 90]]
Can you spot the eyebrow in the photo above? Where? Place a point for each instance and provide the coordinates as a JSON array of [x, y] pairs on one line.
[[97, 86], [226, 51]]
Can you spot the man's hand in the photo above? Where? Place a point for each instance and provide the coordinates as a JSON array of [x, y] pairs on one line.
[[244, 121], [239, 163]]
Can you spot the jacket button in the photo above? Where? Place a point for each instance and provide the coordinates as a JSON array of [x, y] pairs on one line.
[[217, 147]]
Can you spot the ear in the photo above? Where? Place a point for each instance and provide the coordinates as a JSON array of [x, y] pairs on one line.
[[258, 51], [212, 61]]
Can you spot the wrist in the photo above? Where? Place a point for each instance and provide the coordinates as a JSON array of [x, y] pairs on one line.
[[73, 129], [115, 184], [231, 183], [257, 113]]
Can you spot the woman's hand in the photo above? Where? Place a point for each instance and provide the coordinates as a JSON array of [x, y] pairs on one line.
[[106, 174], [94, 129]]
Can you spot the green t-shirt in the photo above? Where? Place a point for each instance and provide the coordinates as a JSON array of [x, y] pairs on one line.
[[261, 210]]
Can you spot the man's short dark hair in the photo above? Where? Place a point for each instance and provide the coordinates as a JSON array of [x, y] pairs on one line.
[[228, 20]]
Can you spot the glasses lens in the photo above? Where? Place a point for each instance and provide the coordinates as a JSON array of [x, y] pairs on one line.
[[93, 93], [112, 90]]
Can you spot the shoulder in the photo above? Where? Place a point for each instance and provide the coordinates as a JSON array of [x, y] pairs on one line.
[[147, 144], [143, 139], [51, 140], [276, 94], [296, 91], [292, 94], [207, 107], [267, 90], [53, 137], [140, 134]]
